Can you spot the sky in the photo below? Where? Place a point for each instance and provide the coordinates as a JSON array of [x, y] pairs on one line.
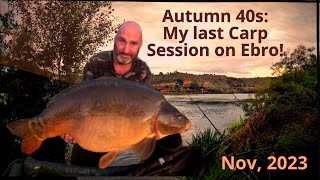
[[289, 24]]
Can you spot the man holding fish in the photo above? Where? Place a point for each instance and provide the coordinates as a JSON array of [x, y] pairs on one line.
[[122, 62], [112, 110]]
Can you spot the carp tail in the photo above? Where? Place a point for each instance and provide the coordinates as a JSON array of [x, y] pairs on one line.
[[30, 142]]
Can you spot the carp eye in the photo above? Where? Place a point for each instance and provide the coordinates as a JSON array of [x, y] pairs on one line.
[[180, 118]]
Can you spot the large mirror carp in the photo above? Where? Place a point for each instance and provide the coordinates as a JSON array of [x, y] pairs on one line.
[[104, 115]]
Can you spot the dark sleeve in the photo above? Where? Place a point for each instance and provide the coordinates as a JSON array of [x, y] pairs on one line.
[[147, 80], [94, 68], [145, 73], [87, 72]]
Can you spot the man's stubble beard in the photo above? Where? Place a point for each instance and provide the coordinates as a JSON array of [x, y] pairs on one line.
[[124, 62], [120, 60]]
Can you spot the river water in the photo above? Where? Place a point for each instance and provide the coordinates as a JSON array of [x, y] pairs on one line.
[[221, 109]]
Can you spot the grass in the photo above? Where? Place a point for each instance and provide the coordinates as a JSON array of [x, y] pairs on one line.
[[294, 137], [236, 125], [211, 146]]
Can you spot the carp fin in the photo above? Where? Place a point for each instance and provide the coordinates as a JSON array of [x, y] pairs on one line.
[[29, 142], [145, 148], [106, 159]]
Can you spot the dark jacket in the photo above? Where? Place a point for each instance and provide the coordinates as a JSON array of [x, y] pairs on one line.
[[101, 64]]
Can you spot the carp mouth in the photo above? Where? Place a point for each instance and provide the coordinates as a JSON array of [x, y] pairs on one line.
[[158, 128], [169, 121]]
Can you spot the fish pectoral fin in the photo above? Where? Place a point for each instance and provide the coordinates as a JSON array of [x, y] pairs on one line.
[[145, 148], [106, 159]]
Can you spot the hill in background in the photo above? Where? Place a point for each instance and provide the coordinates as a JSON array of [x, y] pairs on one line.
[[206, 83]]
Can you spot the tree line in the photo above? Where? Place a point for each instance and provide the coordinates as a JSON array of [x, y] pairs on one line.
[[43, 45]]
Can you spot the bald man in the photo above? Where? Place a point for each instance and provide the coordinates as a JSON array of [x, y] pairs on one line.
[[122, 62]]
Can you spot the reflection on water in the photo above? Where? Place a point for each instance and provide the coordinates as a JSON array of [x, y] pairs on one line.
[[221, 109]]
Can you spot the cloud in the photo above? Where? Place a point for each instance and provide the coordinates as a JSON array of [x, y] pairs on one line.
[[289, 24]]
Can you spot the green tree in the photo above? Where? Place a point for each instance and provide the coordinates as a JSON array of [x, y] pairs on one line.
[[294, 89], [301, 58], [51, 37], [194, 86], [229, 81], [178, 86], [284, 114], [7, 24], [179, 81], [56, 37]]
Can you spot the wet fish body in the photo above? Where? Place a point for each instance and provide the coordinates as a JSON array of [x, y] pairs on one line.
[[104, 115]]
